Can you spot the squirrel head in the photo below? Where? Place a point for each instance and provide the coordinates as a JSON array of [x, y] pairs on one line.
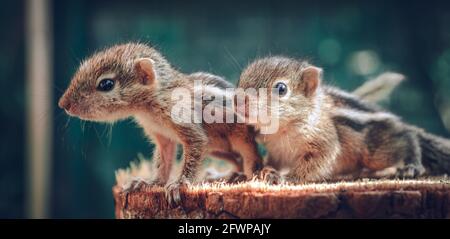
[[296, 83], [113, 83]]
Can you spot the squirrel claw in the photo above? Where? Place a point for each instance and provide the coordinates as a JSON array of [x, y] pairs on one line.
[[237, 177], [173, 194], [270, 175], [156, 183], [135, 185], [410, 171]]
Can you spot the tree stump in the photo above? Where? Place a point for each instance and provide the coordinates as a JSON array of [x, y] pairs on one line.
[[423, 198]]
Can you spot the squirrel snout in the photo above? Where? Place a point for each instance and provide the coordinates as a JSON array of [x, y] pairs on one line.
[[64, 103]]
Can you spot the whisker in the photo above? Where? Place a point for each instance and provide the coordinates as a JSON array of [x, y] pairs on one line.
[[105, 130], [233, 59], [58, 115], [58, 89], [98, 137], [67, 122], [82, 125], [83, 154], [110, 134]]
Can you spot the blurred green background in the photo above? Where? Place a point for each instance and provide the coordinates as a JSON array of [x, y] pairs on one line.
[[351, 40]]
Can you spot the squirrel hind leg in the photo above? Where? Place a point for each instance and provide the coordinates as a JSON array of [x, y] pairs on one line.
[[411, 157], [246, 146], [403, 172], [389, 172], [231, 157], [394, 152]]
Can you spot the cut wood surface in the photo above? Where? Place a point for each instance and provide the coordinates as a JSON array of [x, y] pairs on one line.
[[423, 198]]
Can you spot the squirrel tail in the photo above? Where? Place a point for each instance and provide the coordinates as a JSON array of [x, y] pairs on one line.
[[380, 88], [435, 153]]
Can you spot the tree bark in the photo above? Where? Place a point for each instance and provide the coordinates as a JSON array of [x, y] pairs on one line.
[[362, 199]]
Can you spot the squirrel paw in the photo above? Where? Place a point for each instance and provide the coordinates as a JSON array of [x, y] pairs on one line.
[[237, 177], [410, 171], [213, 175], [156, 183], [135, 185], [173, 194], [270, 175]]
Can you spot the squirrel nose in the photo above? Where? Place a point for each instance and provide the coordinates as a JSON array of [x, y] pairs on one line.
[[64, 104]]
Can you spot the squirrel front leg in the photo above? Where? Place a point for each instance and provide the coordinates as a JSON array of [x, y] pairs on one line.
[[163, 157], [270, 173], [194, 141]]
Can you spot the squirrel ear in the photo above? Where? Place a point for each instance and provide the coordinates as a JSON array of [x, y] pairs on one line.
[[144, 67], [311, 77]]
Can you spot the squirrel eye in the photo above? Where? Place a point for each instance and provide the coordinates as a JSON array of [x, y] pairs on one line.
[[105, 85], [281, 88]]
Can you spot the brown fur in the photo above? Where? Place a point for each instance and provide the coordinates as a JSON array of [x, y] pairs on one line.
[[328, 134], [144, 82]]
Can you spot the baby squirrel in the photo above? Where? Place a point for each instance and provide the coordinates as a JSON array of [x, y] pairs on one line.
[[328, 134], [374, 90], [134, 80]]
